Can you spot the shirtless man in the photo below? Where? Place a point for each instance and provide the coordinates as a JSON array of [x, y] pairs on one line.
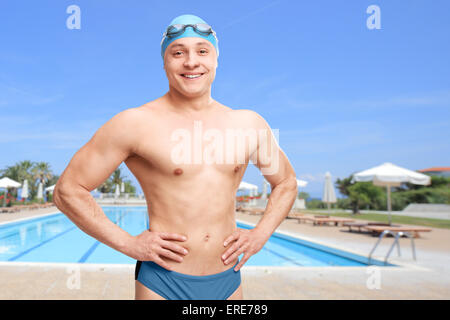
[[192, 248]]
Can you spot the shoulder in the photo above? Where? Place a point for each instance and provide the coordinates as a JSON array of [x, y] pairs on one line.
[[124, 119], [129, 114], [251, 118], [124, 127], [139, 115]]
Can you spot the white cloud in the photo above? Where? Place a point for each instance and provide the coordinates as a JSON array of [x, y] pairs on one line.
[[309, 177]]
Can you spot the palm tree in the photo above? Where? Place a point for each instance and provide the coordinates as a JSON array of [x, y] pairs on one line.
[[41, 173], [116, 177], [105, 187], [109, 185]]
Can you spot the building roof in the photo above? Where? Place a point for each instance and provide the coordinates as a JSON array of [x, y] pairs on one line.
[[435, 169]]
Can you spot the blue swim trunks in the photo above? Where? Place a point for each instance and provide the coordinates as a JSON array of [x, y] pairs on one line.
[[173, 285]]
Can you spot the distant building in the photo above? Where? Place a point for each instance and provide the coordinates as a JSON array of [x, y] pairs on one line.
[[437, 171]]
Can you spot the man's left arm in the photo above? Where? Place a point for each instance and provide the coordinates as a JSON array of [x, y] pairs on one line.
[[276, 168]]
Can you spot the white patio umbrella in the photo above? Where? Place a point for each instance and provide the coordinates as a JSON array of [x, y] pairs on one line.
[[390, 175], [329, 196], [117, 193], [40, 191], [50, 188], [300, 203], [253, 189], [24, 193], [247, 186], [264, 192], [8, 183], [122, 187]]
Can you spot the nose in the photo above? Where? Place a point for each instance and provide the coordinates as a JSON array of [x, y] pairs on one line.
[[191, 60]]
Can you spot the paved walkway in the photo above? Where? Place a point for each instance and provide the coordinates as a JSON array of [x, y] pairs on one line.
[[426, 278]]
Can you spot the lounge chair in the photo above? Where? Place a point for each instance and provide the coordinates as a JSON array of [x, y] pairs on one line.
[[376, 230], [319, 220], [294, 214], [360, 225], [20, 206], [9, 209], [256, 211], [244, 209], [253, 211]]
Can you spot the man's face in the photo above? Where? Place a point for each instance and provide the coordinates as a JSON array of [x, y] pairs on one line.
[[190, 56]]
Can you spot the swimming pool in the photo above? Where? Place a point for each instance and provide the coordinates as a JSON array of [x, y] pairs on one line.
[[54, 238]]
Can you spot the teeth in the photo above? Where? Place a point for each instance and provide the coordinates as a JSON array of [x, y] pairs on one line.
[[191, 76]]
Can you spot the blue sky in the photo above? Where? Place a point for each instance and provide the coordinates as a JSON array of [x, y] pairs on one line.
[[343, 97]]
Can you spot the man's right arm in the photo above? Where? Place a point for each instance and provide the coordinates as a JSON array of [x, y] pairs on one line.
[[112, 144]]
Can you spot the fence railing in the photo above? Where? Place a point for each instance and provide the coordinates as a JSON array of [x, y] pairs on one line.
[[125, 196]]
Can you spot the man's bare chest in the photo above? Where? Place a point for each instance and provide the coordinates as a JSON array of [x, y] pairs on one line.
[[192, 147]]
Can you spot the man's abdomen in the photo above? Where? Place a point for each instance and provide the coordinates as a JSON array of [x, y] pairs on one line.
[[204, 243]]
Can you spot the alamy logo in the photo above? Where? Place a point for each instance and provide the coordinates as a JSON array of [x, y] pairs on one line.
[[74, 20], [373, 21], [374, 279], [230, 146], [74, 280]]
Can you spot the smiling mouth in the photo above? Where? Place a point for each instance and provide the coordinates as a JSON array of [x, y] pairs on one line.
[[192, 77]]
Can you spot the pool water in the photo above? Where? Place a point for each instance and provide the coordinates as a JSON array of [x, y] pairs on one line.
[[54, 238]]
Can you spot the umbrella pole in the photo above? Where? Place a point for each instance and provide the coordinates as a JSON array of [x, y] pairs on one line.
[[389, 202], [4, 198]]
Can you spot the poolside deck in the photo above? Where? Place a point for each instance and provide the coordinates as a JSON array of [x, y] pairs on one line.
[[426, 278]]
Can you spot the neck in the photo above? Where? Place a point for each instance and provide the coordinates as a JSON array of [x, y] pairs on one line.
[[183, 103]]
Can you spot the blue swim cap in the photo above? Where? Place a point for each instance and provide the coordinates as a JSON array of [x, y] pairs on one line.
[[188, 32]]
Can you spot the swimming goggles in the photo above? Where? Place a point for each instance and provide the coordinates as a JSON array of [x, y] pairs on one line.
[[177, 29]]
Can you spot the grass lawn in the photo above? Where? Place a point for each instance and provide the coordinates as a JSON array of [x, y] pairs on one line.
[[395, 219]]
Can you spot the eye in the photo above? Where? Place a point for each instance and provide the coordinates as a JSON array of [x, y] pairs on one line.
[[176, 53], [203, 50]]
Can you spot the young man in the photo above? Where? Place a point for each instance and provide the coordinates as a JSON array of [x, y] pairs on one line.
[[189, 153]]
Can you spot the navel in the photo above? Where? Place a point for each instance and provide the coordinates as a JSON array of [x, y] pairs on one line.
[[177, 171], [236, 169], [206, 238]]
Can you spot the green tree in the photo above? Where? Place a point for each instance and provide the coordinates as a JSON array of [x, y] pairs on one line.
[[344, 184], [303, 195], [315, 204], [18, 172], [117, 178], [363, 194]]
